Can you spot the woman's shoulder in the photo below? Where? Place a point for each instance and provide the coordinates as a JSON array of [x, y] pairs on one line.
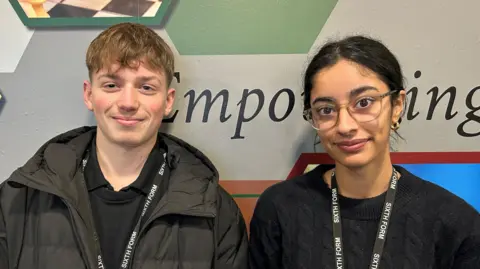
[[296, 189]]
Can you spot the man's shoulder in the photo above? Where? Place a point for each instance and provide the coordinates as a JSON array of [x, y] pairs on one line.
[[12, 195], [226, 203]]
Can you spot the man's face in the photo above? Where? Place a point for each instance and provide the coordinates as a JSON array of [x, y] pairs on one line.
[[128, 104]]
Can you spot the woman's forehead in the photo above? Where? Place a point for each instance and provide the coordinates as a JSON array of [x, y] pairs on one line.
[[344, 80]]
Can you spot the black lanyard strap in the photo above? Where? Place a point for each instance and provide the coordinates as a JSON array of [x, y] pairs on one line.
[[152, 199], [382, 227]]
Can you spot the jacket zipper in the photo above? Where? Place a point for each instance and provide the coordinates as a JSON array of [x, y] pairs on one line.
[[97, 248], [152, 218], [142, 230], [75, 231], [35, 244]]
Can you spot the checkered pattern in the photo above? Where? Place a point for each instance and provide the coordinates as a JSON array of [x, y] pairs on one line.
[[101, 8]]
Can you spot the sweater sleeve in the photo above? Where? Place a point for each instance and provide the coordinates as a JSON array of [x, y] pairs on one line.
[[265, 236], [468, 254]]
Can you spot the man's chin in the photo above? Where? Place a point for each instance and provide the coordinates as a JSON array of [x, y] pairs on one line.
[[127, 139]]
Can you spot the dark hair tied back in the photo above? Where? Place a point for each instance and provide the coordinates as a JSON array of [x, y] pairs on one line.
[[365, 51]]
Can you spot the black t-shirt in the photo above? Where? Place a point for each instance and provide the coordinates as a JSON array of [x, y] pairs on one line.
[[116, 213]]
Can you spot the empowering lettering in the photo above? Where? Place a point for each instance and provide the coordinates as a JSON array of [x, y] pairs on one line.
[[469, 127]]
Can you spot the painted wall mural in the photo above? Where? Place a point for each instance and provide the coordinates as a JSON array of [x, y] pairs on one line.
[[241, 63]]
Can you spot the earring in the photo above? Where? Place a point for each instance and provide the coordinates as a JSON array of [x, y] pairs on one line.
[[395, 126]]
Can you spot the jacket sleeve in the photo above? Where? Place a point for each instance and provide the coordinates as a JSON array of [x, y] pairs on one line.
[[231, 235], [265, 236], [468, 254], [3, 242]]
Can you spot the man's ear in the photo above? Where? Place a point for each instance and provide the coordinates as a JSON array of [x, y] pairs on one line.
[[398, 106], [170, 100], [87, 94]]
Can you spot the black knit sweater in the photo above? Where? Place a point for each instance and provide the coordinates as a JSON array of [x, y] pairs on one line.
[[430, 227]]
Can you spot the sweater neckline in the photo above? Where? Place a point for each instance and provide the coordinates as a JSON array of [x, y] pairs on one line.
[[369, 208]]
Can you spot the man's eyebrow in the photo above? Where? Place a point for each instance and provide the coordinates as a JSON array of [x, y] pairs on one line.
[[149, 78], [109, 75]]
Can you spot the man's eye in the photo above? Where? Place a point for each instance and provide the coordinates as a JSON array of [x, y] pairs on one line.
[[110, 85]]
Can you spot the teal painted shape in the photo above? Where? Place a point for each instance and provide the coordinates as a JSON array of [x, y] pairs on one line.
[[89, 21], [220, 27]]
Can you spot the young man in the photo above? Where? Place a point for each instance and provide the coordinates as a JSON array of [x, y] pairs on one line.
[[121, 195]]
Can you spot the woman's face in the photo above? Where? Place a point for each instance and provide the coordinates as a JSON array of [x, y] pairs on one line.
[[353, 119]]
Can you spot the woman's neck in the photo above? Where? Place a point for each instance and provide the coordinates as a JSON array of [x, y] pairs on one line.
[[364, 182]]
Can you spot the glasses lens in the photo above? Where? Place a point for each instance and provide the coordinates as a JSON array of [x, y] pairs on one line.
[[366, 109], [323, 117]]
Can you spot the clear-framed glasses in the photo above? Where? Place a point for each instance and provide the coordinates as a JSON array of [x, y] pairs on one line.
[[366, 107]]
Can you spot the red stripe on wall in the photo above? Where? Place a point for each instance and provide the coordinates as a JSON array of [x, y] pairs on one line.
[[397, 158]]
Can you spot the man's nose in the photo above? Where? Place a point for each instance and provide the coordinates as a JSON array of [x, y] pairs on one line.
[[128, 99]]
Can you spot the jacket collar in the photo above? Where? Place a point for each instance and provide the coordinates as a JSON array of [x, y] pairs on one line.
[[56, 166]]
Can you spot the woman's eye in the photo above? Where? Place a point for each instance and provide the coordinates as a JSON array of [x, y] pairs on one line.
[[325, 110], [365, 102]]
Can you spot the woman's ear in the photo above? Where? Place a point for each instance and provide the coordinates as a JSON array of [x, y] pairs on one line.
[[398, 106]]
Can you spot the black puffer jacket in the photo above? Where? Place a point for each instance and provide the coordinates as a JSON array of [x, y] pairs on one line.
[[46, 220]]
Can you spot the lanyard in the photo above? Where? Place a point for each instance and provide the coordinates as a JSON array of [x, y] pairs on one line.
[[382, 228], [152, 198]]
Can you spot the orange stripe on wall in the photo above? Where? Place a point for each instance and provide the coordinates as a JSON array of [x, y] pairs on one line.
[[246, 186], [247, 206], [245, 193]]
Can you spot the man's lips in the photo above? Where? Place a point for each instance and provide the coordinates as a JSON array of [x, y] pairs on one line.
[[127, 121]]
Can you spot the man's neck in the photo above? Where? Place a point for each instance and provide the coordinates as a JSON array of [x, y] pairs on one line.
[[366, 182], [121, 166]]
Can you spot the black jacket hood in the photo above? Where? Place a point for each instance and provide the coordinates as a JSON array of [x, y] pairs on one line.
[[55, 167]]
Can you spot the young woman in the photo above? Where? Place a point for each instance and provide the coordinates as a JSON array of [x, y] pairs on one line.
[[362, 212]]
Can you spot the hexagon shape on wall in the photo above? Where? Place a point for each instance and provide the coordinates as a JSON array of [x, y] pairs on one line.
[[15, 38], [211, 27], [55, 13]]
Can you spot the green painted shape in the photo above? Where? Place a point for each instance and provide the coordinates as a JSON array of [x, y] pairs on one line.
[[100, 21], [219, 27]]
